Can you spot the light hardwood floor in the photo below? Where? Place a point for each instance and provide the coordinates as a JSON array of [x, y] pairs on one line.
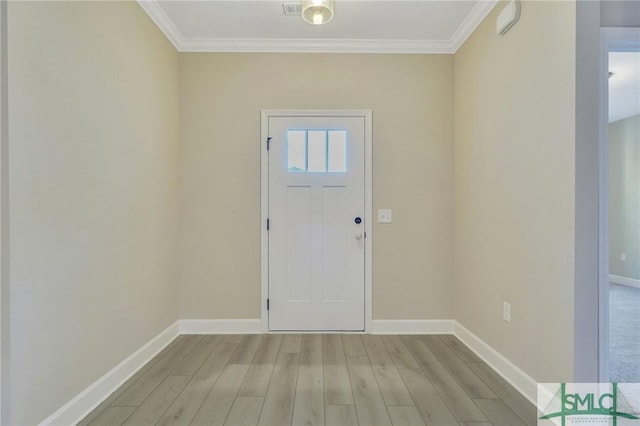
[[315, 379]]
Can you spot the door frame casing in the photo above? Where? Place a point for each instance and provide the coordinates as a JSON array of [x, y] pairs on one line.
[[265, 114]]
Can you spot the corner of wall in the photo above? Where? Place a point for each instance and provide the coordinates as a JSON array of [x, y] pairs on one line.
[[587, 183], [514, 209]]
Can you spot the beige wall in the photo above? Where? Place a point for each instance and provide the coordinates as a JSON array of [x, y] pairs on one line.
[[514, 187], [94, 159], [95, 193], [412, 101], [624, 197]]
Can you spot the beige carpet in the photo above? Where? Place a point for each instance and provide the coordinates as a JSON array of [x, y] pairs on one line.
[[624, 334]]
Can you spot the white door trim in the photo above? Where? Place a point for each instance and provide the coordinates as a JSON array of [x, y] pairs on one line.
[[264, 200], [611, 40], [4, 219]]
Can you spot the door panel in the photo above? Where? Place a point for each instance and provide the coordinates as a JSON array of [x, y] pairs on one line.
[[316, 248], [334, 268]]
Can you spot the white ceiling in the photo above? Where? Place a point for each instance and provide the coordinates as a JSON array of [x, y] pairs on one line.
[[413, 26], [624, 85]]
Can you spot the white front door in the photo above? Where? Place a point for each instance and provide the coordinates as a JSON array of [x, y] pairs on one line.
[[316, 237]]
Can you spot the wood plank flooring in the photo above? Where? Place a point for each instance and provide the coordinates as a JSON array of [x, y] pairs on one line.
[[314, 379]]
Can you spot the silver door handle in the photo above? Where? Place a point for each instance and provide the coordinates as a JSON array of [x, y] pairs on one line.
[[358, 236]]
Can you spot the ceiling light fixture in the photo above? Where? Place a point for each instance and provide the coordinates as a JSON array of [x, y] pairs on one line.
[[317, 12]]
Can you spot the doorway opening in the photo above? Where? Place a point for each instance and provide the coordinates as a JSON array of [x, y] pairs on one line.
[[620, 206]]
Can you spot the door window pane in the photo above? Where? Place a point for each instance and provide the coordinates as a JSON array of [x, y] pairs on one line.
[[297, 150], [337, 151], [317, 143], [317, 151]]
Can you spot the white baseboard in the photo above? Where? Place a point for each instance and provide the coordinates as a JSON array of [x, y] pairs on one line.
[[520, 380], [221, 326], [624, 281], [412, 326], [76, 409]]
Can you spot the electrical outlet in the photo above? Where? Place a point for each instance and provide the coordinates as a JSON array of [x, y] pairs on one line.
[[506, 311], [623, 257]]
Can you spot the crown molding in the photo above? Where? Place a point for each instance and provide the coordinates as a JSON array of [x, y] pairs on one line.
[[471, 22], [183, 44], [162, 20], [315, 46]]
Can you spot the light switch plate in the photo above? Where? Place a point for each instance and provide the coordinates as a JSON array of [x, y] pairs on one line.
[[506, 311], [384, 216]]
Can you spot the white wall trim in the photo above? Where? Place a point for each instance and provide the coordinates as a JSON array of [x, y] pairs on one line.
[[221, 326], [184, 44], [517, 378], [316, 46], [87, 400], [80, 406], [616, 279], [412, 326], [160, 18], [368, 224], [264, 214], [521, 381], [471, 22]]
